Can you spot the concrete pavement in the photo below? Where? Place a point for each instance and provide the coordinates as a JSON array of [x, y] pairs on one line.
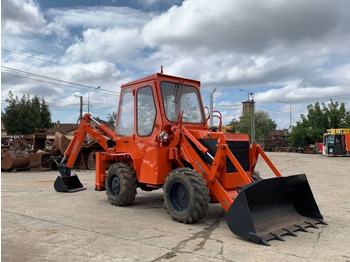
[[39, 224]]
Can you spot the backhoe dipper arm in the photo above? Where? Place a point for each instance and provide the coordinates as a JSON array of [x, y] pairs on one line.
[[101, 133]]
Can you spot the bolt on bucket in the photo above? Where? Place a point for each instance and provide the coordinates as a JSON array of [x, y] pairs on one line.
[[271, 208], [68, 184]]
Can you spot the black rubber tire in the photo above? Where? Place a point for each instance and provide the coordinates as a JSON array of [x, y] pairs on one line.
[[121, 184], [186, 196], [256, 176]]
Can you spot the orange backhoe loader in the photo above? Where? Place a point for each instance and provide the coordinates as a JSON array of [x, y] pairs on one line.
[[162, 140]]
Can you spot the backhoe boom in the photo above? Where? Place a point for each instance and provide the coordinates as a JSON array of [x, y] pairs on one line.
[[101, 133]]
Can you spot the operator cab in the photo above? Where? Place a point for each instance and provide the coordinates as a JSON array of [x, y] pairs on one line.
[[151, 105]]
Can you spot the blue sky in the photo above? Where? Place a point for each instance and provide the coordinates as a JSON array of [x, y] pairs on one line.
[[289, 53]]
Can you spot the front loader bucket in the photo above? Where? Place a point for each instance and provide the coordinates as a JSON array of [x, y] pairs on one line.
[[69, 184], [271, 208]]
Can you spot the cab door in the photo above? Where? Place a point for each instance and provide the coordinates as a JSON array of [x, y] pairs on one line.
[[126, 121], [136, 122], [155, 164]]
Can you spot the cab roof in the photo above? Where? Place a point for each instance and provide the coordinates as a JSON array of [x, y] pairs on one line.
[[161, 77]]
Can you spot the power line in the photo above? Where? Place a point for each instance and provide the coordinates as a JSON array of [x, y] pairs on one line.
[[65, 109], [56, 63], [304, 99], [220, 106], [51, 78], [278, 116], [269, 109], [56, 79], [102, 106], [100, 113], [39, 80], [276, 110], [62, 109]]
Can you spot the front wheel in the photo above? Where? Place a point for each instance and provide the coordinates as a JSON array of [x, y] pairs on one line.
[[186, 195], [121, 184], [256, 176]]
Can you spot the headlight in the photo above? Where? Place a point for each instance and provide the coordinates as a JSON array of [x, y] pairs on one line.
[[164, 136]]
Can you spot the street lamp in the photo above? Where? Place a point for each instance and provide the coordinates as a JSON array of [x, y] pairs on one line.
[[290, 114], [89, 97], [211, 106], [81, 105]]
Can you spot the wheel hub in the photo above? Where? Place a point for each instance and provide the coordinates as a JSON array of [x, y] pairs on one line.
[[179, 197], [115, 185]]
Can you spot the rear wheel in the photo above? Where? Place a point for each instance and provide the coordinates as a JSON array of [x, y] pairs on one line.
[[121, 184], [186, 195]]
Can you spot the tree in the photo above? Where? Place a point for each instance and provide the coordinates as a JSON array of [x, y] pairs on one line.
[[111, 118], [23, 115], [312, 126], [263, 124]]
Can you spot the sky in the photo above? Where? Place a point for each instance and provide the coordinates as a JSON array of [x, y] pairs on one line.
[[287, 53]]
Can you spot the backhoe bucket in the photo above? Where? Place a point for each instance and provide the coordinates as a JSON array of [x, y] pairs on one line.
[[271, 208], [69, 184]]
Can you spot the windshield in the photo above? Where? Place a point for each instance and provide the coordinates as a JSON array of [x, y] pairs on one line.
[[331, 139], [178, 97]]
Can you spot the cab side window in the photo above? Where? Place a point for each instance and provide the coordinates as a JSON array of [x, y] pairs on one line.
[[125, 126], [146, 111]]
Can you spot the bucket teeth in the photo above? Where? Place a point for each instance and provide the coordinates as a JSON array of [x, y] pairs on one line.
[[277, 236], [320, 221], [301, 228], [255, 238], [264, 242], [289, 232], [271, 209], [310, 224]]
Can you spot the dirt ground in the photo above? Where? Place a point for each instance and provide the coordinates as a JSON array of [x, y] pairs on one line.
[[39, 224]]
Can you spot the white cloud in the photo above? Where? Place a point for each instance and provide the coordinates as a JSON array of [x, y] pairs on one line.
[[99, 17], [294, 92], [115, 44], [342, 75], [254, 43], [297, 49], [61, 94], [244, 26], [18, 17]]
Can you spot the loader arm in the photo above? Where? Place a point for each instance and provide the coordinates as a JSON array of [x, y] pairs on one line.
[[256, 210], [210, 172]]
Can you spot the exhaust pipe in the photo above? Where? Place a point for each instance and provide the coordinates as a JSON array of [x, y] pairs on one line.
[[271, 208]]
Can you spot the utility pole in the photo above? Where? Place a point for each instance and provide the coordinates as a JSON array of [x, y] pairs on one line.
[[290, 116], [81, 105]]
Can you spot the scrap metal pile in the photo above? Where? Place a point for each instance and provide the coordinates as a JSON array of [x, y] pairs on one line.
[[278, 141], [41, 152]]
